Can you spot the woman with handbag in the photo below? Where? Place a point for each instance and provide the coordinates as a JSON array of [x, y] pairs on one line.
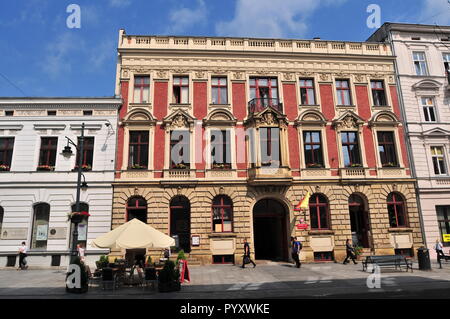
[[247, 259]]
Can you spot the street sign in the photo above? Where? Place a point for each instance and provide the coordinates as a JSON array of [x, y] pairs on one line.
[[446, 238], [302, 226]]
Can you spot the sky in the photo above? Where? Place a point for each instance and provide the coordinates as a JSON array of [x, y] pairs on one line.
[[41, 56]]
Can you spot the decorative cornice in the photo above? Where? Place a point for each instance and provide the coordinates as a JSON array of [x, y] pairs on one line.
[[50, 126]]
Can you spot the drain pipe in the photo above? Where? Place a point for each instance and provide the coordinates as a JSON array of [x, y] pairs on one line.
[[408, 140]]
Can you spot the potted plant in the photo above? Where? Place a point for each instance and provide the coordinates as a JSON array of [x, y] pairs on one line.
[[390, 164], [4, 168], [83, 280], [137, 166], [102, 262], [314, 165], [181, 256], [358, 251], [169, 278], [356, 165], [84, 167], [180, 166]]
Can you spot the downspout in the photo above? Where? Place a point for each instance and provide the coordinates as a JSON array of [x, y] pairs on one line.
[[408, 140]]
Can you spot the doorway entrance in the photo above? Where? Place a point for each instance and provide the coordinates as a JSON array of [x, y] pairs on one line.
[[270, 230], [359, 219], [180, 222]]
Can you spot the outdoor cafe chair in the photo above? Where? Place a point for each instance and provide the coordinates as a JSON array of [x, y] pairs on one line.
[[150, 278], [108, 278]]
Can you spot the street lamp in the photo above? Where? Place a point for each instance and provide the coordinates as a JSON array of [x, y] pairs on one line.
[[67, 152]]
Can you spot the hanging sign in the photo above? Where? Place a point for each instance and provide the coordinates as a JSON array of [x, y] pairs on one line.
[[446, 238], [302, 226]]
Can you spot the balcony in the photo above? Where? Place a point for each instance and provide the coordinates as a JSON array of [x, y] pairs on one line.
[[269, 175], [260, 104]]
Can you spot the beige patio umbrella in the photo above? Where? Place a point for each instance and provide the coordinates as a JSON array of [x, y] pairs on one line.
[[134, 234]]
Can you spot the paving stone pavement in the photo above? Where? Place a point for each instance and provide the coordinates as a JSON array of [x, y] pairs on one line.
[[267, 280]]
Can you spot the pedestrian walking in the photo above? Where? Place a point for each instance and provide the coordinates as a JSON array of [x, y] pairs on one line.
[[350, 252], [246, 258], [22, 256], [439, 251], [295, 251]]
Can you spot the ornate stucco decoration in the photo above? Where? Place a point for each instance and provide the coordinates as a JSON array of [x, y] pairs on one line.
[[360, 78], [427, 87], [288, 76], [200, 74], [178, 120], [325, 77], [125, 73], [162, 74], [348, 121], [238, 75], [267, 117]]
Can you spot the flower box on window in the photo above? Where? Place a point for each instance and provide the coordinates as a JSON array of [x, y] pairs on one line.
[[221, 165], [180, 166], [314, 165], [137, 166], [4, 168], [271, 163], [45, 168], [77, 217], [84, 167], [390, 164], [355, 165]]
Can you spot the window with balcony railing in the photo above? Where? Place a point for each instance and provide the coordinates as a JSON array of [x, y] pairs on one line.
[[179, 149], [263, 93]]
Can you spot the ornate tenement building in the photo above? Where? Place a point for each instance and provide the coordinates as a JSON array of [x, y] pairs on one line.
[[423, 69], [38, 184], [219, 138]]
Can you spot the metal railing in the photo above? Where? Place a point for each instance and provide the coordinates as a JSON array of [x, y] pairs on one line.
[[260, 104]]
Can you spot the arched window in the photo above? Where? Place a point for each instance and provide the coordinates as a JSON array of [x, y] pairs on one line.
[[41, 217], [318, 208], [396, 210], [137, 208], [1, 219], [222, 214], [82, 227]]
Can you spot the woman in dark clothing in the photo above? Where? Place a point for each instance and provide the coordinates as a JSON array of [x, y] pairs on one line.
[[247, 259], [350, 253]]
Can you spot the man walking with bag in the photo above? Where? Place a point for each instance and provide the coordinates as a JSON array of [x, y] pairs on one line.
[[350, 254], [295, 251], [22, 256], [246, 259]]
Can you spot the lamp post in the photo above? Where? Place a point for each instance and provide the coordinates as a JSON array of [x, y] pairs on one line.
[[67, 152]]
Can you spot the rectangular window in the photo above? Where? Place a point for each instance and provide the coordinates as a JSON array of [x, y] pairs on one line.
[[378, 93], [47, 154], [263, 93], [88, 154], [180, 150], [323, 256], [6, 151], [180, 90], [386, 147], [220, 149], [307, 94], [138, 150], [350, 149], [446, 57], [141, 89], [313, 149], [420, 63], [219, 90], [270, 146], [438, 158], [223, 259], [443, 214], [343, 92], [429, 110]]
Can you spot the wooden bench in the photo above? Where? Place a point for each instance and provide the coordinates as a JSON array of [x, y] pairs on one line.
[[396, 261]]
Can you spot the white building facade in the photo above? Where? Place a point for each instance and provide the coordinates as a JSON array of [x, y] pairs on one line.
[[38, 184], [423, 58]]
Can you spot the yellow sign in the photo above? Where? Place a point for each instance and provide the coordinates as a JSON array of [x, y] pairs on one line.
[[446, 238]]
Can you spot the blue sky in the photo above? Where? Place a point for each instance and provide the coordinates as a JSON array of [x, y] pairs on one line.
[[40, 56]]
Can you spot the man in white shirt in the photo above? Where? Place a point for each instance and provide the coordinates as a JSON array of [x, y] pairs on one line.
[[22, 255]]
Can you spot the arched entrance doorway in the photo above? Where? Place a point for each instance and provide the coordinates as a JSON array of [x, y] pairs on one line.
[[180, 221], [270, 230], [359, 220]]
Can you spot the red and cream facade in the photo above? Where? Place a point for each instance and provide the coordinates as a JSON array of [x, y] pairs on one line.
[[313, 100]]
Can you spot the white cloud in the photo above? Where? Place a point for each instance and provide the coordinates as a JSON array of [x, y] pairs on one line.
[[271, 18], [119, 3], [435, 11], [183, 18]]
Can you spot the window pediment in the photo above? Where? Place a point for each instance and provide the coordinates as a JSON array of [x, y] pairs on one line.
[[311, 117], [348, 120], [384, 118], [220, 117], [139, 117], [427, 85], [268, 117], [178, 120]]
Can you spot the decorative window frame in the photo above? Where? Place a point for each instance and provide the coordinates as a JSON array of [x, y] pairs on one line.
[[317, 123], [350, 122], [318, 105], [351, 86], [185, 106], [150, 103], [138, 120], [217, 74], [430, 157], [387, 93]]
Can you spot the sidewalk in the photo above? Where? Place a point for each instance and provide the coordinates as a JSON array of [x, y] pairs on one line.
[[269, 280]]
